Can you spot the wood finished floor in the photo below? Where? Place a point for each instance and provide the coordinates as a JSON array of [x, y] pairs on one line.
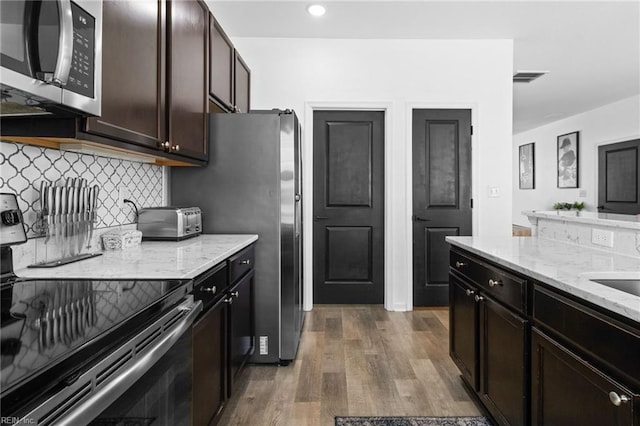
[[357, 360]]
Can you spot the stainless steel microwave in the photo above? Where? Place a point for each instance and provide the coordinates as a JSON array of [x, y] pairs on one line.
[[51, 57]]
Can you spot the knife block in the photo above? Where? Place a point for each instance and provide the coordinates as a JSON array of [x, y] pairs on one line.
[[66, 239]]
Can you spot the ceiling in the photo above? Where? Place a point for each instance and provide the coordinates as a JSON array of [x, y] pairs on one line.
[[590, 48]]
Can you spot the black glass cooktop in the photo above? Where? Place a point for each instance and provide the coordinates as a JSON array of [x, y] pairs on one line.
[[46, 322]]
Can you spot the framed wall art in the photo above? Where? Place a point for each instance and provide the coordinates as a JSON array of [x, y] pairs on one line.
[[526, 154], [568, 164]]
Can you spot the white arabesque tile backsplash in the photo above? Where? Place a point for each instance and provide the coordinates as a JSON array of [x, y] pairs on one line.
[[23, 167]]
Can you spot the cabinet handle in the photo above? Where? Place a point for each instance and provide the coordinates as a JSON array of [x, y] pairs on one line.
[[245, 262], [618, 400], [495, 283], [479, 298], [211, 290], [235, 294], [228, 300], [460, 264], [470, 292], [175, 148], [164, 145]]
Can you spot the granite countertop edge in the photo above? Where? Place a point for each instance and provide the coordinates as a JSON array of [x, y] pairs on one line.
[[593, 218], [184, 259], [570, 271]]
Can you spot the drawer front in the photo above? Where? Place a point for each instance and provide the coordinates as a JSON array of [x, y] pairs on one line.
[[210, 286], [609, 342], [499, 284], [241, 263]]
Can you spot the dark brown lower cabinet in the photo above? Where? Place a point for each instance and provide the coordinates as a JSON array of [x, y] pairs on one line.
[[569, 391], [534, 355], [503, 362], [241, 326], [210, 365], [463, 320], [488, 343]]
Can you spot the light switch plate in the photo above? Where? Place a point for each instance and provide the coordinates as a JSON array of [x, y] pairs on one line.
[[494, 192]]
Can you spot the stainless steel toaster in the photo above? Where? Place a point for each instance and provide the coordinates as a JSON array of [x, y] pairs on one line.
[[170, 223]]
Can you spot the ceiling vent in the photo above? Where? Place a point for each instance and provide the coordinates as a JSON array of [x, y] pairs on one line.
[[527, 76]]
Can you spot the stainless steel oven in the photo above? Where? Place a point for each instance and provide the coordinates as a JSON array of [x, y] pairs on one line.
[[50, 57], [103, 352], [112, 352]]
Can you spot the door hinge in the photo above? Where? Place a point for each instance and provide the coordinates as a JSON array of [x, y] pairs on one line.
[[471, 203], [471, 130]]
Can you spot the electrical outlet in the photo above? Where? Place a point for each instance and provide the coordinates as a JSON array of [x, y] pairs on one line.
[[264, 345], [601, 237], [123, 194]]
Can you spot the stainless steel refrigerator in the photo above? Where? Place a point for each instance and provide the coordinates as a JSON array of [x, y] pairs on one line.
[[252, 184]]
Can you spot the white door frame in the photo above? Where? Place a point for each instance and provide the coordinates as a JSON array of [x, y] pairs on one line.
[[307, 200]]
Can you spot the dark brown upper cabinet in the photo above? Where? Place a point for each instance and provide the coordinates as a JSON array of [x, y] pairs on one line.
[[187, 78], [154, 80], [220, 65], [133, 88], [242, 84], [229, 75]]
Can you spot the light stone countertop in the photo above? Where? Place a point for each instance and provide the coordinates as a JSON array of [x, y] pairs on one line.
[[613, 220], [152, 259], [564, 266]]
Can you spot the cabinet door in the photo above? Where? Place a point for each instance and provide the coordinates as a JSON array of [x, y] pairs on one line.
[[463, 329], [241, 326], [187, 79], [503, 363], [221, 60], [568, 391], [133, 73], [209, 365], [242, 84]]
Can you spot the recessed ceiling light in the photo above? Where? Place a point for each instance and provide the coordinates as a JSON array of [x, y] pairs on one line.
[[316, 10]]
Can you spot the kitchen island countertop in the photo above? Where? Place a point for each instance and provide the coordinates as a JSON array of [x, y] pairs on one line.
[[152, 259], [564, 266]]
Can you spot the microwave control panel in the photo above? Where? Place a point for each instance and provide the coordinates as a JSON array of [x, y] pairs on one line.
[[81, 76]]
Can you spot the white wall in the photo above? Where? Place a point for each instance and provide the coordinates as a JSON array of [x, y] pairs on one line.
[[396, 75], [615, 122]]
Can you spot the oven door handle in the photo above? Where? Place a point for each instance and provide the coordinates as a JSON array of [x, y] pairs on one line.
[[111, 390]]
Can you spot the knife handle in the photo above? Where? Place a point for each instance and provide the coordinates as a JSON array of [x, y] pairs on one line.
[[71, 200], [94, 197], [63, 200], [57, 195], [43, 197]]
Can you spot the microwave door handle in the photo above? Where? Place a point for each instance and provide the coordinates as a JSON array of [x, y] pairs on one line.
[[65, 44]]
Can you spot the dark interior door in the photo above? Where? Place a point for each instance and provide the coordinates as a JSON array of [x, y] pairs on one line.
[[441, 197], [348, 206], [619, 177]]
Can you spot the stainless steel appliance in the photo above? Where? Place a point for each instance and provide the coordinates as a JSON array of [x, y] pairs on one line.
[[93, 351], [252, 184], [170, 223], [50, 57]]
